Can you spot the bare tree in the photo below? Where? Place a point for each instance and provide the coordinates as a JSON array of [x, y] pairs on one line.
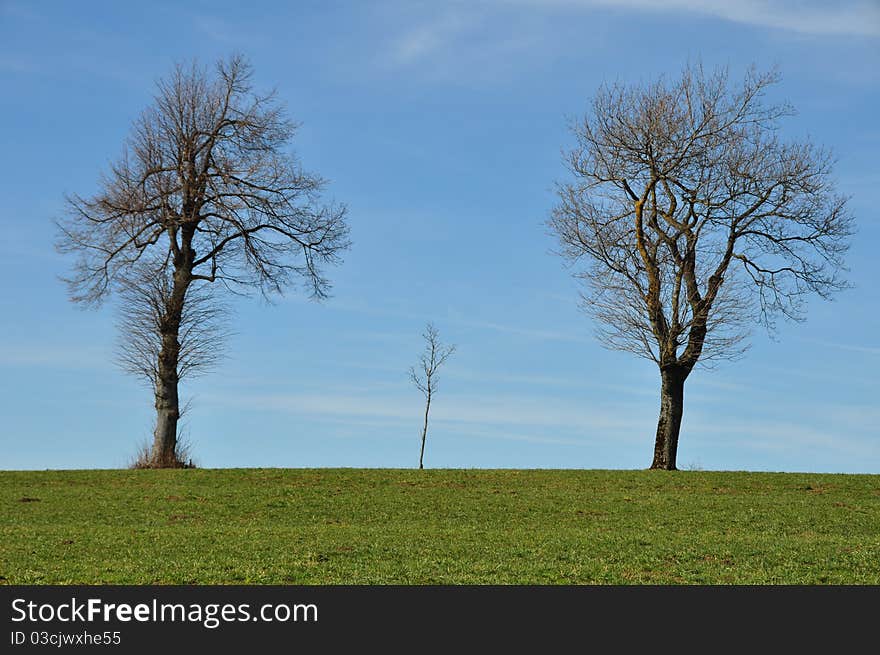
[[206, 196], [693, 219], [425, 376]]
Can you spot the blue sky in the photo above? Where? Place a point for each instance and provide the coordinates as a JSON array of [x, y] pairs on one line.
[[440, 124]]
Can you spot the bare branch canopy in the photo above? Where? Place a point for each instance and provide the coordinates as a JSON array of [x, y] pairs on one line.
[[205, 179]]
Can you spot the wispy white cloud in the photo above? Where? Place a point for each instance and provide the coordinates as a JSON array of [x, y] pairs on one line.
[[377, 335], [491, 410], [570, 421], [706, 381], [791, 429], [853, 18], [514, 378], [461, 37], [454, 318], [538, 381], [781, 435], [855, 419], [479, 42], [870, 350], [505, 434], [531, 333], [226, 32], [424, 39], [59, 357], [460, 41]]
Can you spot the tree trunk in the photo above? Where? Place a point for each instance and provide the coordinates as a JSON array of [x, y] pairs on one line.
[[164, 452], [424, 433], [669, 423]]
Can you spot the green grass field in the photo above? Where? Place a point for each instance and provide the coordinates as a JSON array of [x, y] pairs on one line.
[[352, 526]]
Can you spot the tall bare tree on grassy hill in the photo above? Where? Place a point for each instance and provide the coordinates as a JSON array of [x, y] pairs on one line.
[[205, 197], [688, 218]]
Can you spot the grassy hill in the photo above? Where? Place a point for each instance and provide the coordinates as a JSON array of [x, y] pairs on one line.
[[353, 526]]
